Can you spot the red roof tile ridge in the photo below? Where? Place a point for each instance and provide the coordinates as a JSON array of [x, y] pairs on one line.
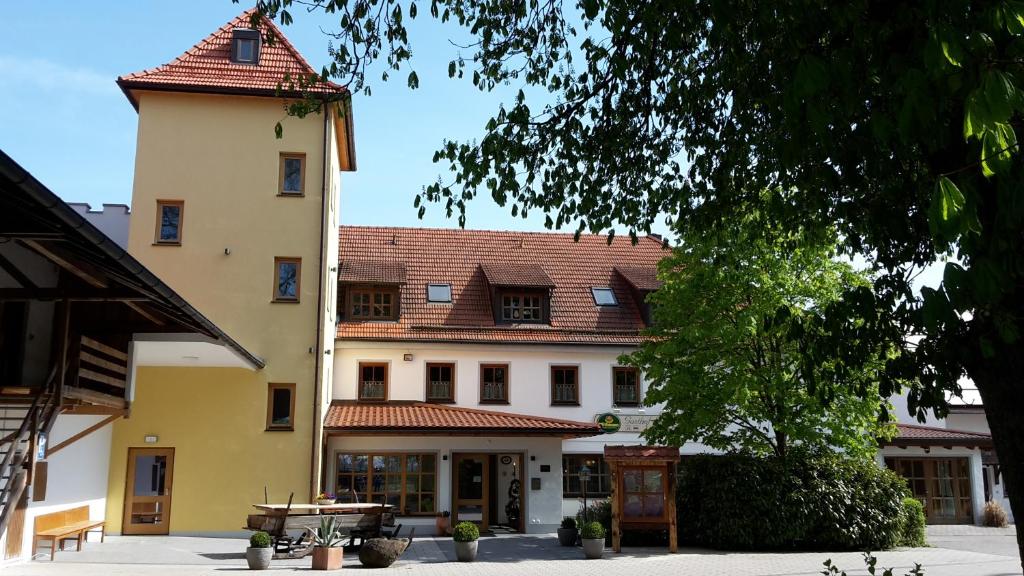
[[465, 410], [940, 429], [509, 233]]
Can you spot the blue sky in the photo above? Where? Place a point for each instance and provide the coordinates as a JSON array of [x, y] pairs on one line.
[[64, 119]]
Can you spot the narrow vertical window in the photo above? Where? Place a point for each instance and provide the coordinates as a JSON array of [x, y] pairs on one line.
[[440, 382], [293, 175], [565, 388], [494, 383], [287, 279], [373, 381], [625, 386], [169, 217], [281, 406]]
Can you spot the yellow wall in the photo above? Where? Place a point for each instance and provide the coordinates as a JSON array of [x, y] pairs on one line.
[[222, 456], [219, 155]]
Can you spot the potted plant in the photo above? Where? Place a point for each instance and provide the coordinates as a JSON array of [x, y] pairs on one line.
[[567, 533], [327, 549], [592, 535], [325, 499], [442, 523], [259, 552], [465, 536]]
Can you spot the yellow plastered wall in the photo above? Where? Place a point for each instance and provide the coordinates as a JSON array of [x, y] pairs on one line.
[[219, 155], [222, 456]]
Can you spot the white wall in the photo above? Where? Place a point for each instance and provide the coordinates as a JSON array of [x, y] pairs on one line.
[[112, 220], [529, 372], [542, 508], [76, 475]]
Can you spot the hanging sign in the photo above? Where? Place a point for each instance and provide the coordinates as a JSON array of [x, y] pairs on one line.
[[608, 422]]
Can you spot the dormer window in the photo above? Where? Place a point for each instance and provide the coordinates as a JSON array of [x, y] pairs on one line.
[[372, 303], [521, 307], [604, 296], [245, 46]]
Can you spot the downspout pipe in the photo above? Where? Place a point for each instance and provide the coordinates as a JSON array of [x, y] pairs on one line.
[[315, 443]]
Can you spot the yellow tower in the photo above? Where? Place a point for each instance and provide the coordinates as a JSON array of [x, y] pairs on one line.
[[243, 224]]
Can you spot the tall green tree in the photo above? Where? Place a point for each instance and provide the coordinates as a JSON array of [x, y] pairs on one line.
[[729, 354], [896, 124]]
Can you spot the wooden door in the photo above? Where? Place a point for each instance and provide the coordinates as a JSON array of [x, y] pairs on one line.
[[147, 497], [943, 485], [471, 489]]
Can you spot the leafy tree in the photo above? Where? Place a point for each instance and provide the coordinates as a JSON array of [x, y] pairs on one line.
[[896, 125], [729, 355]]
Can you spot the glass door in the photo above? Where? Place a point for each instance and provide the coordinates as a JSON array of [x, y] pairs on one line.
[[147, 498], [471, 489]]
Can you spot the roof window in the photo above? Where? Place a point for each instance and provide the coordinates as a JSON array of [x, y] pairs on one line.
[[439, 293], [604, 296], [245, 46]]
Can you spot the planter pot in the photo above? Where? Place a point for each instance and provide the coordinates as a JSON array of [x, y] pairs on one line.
[[258, 558], [466, 551], [441, 526], [593, 548], [325, 502], [567, 536], [327, 558]]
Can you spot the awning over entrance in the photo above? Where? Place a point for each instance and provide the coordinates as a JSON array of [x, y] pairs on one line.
[[404, 418], [914, 435]]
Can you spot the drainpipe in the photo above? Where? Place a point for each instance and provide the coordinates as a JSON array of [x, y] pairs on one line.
[[314, 476]]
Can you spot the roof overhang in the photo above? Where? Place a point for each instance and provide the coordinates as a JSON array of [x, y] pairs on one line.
[[409, 418], [185, 349], [911, 435]]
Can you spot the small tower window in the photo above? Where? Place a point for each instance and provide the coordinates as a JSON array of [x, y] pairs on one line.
[[245, 46]]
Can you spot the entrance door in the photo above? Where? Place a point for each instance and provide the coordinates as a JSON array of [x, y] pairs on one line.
[[147, 497], [943, 485], [471, 489]]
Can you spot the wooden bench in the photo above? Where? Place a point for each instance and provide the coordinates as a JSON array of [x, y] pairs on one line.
[[65, 524]]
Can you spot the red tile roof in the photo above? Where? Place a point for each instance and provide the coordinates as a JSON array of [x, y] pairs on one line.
[[508, 275], [643, 279], [457, 256], [423, 418], [917, 435], [670, 453], [368, 272], [207, 66]]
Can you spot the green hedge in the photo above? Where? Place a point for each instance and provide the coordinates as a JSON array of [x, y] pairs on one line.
[[809, 503], [913, 523]]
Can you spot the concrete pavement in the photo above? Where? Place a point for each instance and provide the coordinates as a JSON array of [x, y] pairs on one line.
[[955, 551]]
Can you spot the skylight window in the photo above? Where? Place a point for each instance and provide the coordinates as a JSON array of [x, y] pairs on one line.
[[604, 296], [439, 293]]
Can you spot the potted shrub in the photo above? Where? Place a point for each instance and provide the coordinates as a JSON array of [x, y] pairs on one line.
[[442, 523], [326, 545], [259, 552], [325, 499], [567, 533], [592, 535], [465, 536]]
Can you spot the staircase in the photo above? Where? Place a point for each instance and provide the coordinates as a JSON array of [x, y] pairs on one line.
[[23, 419]]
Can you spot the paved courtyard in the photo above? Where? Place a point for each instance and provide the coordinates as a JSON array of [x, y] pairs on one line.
[[955, 550]]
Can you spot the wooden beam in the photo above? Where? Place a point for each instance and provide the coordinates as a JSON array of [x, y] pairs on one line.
[[97, 361], [79, 295], [101, 347], [91, 410], [93, 397], [16, 273], [62, 445], [97, 377], [89, 278], [145, 313]]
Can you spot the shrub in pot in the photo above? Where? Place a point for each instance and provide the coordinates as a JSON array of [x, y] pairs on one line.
[[994, 516], [259, 552], [465, 536], [592, 536], [442, 523], [327, 551], [567, 533]]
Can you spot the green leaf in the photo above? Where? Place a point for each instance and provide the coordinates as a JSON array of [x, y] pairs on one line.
[[590, 8], [811, 76], [414, 80], [1014, 13], [999, 93], [946, 205], [975, 115], [278, 131], [997, 149]]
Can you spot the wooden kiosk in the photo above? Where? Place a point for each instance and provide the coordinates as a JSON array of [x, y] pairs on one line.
[[643, 490]]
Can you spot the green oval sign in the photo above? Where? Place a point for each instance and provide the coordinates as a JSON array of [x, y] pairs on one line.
[[608, 422]]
